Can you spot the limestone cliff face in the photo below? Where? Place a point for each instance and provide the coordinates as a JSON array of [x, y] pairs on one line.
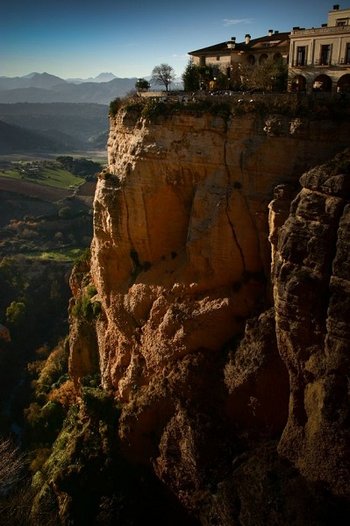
[[180, 241], [181, 259]]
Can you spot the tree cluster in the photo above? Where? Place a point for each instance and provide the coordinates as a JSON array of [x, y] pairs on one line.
[[142, 85], [269, 76], [81, 167]]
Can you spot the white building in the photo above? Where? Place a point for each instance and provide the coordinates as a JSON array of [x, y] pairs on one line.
[[319, 58]]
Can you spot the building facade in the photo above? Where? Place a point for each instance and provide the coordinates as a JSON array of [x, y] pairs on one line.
[[228, 56], [320, 57]]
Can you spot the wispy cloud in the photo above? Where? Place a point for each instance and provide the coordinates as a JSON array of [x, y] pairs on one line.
[[235, 21]]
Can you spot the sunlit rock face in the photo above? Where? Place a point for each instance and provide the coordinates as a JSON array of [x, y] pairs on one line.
[[181, 260], [180, 243]]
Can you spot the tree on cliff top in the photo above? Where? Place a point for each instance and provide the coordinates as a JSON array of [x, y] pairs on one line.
[[163, 74], [191, 77]]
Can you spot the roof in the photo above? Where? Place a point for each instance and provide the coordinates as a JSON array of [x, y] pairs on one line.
[[275, 40]]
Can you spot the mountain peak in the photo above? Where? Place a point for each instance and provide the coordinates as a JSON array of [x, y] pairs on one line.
[[105, 77]]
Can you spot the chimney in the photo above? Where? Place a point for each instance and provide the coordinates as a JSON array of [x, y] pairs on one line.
[[270, 32], [247, 38], [336, 7], [276, 32], [231, 43]]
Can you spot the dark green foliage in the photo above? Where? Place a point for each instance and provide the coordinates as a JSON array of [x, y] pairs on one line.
[[134, 107], [99, 403], [45, 414], [45, 422], [142, 85], [65, 212], [91, 380], [26, 287], [84, 257], [269, 76], [15, 313], [114, 106], [80, 166], [53, 371], [84, 307], [207, 73], [154, 109], [102, 487], [221, 81], [191, 77]]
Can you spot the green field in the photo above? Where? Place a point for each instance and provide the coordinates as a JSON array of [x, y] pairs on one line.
[[52, 175], [60, 255]]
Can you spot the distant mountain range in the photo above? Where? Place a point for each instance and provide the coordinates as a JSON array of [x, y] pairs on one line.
[[102, 77], [43, 87]]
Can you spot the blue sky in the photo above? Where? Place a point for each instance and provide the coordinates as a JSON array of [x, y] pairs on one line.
[[82, 38]]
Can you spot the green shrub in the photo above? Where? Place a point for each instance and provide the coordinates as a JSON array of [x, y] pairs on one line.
[[133, 106], [65, 212], [53, 369], [114, 106], [154, 109], [99, 404], [44, 422], [15, 313], [91, 380], [84, 307]]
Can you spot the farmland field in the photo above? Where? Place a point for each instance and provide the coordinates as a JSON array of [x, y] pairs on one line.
[[45, 173]]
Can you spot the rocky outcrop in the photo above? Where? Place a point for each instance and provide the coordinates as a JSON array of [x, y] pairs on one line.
[[180, 260], [312, 300]]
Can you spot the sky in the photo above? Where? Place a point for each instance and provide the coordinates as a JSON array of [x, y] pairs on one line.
[[82, 38]]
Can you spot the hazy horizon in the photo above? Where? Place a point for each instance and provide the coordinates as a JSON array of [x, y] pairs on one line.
[[81, 39]]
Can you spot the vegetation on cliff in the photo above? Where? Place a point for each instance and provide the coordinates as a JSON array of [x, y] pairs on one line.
[[157, 110]]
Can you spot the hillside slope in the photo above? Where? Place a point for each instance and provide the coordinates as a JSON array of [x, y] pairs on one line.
[[71, 126], [15, 139]]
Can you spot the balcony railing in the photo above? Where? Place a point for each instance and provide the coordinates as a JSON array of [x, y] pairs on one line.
[[332, 30], [319, 63]]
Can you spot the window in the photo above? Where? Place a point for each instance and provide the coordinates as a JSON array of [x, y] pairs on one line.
[[217, 58], [325, 58], [301, 56], [251, 60], [347, 53], [342, 22]]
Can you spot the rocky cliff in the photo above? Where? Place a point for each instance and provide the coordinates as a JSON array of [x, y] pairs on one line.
[[180, 261]]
